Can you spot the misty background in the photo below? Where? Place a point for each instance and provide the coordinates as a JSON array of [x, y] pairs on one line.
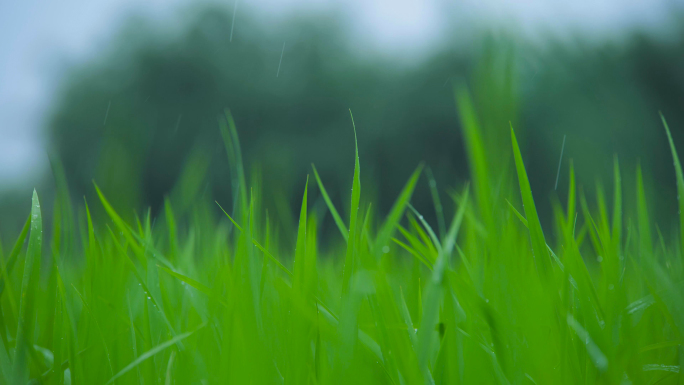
[[129, 93]]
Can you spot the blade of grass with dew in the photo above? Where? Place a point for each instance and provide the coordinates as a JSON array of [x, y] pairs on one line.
[[423, 237], [143, 283], [433, 236], [426, 253], [28, 288]]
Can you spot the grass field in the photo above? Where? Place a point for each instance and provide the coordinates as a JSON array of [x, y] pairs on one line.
[[482, 296]]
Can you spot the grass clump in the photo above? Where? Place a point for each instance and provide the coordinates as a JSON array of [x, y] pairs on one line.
[[488, 298]]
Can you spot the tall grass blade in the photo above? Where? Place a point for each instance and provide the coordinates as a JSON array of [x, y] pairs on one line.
[[680, 183], [537, 240], [29, 286], [331, 207], [150, 353]]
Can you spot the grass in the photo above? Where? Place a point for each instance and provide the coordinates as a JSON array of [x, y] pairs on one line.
[[205, 295]]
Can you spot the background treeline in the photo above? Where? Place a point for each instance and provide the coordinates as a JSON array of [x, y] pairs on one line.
[[144, 114]]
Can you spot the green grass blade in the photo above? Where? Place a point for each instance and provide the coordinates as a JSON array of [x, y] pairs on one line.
[[517, 214], [643, 221], [150, 353], [477, 155], [97, 326], [433, 236], [434, 287], [680, 185], [121, 226], [257, 244], [300, 262], [439, 210], [572, 196], [28, 288], [598, 358], [193, 283], [349, 259], [395, 214], [617, 208], [539, 250], [232, 144], [14, 254], [331, 207]]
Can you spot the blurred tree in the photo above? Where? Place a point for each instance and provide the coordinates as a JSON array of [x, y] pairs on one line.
[[131, 118]]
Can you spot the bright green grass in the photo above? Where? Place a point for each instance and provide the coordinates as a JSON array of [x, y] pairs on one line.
[[487, 298]]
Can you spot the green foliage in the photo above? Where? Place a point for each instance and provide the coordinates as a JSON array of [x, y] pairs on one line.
[[488, 298]]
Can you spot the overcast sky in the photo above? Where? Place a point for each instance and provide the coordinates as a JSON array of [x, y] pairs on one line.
[[35, 35]]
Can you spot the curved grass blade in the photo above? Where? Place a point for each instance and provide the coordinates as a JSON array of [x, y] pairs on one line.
[[193, 283], [387, 228], [541, 254], [427, 226], [257, 244], [434, 287], [413, 252], [599, 359], [680, 183], [151, 353], [121, 225], [331, 207]]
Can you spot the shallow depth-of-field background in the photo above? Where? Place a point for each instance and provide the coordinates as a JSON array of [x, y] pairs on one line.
[[240, 198]]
